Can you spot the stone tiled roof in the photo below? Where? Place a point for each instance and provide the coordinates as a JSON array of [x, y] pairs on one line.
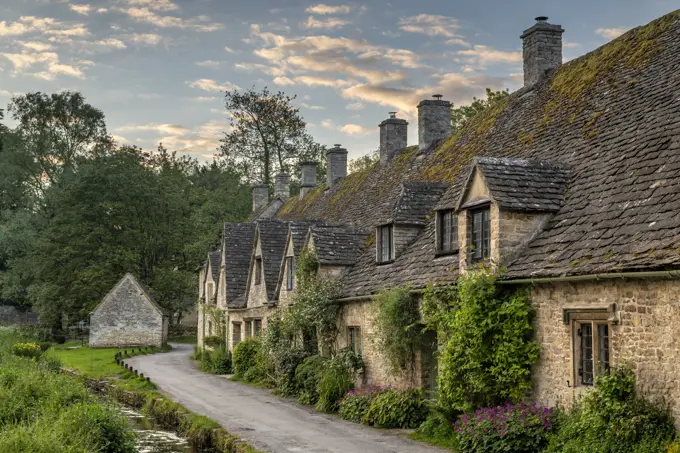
[[272, 234], [298, 231], [415, 202], [338, 245], [267, 211], [215, 259], [238, 246]]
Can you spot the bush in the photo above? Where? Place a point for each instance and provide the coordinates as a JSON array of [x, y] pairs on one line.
[[244, 356], [213, 341], [30, 350], [217, 361], [437, 429], [337, 378], [198, 353], [612, 418], [518, 428], [307, 377], [397, 409], [398, 333], [355, 404]]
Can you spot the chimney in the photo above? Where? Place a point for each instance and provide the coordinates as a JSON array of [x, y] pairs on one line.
[[337, 165], [260, 196], [542, 49], [308, 181], [282, 186], [393, 132], [434, 120]]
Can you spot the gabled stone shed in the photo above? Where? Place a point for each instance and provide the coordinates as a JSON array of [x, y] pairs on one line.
[[128, 316]]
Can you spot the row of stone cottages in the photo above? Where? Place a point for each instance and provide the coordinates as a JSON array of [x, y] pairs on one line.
[[573, 185]]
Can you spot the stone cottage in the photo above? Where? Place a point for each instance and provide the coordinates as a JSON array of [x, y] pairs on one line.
[[571, 184], [128, 316]]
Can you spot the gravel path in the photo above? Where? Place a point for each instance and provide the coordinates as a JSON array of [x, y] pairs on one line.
[[266, 421]]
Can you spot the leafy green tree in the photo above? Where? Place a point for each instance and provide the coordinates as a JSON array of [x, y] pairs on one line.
[[365, 162], [461, 115], [267, 135]]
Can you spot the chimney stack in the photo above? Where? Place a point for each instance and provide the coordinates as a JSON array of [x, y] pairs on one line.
[[308, 180], [282, 186], [393, 135], [260, 196], [542, 46], [434, 120], [337, 165]]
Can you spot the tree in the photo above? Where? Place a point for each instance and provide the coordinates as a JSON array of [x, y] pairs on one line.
[[461, 115], [267, 135], [364, 162]]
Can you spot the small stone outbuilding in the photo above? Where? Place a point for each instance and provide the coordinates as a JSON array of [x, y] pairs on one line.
[[128, 316]]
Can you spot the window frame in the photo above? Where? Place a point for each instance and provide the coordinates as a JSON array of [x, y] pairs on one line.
[[381, 245], [248, 328], [256, 331], [236, 327], [441, 232], [485, 227], [257, 270], [211, 289], [354, 339], [600, 345], [290, 273]]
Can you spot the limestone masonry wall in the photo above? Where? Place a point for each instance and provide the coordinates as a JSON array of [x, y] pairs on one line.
[[646, 337]]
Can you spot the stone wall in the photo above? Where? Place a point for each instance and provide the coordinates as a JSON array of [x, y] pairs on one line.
[[646, 336], [243, 315], [434, 121], [127, 318], [542, 46], [393, 138], [512, 230], [403, 236], [11, 315]]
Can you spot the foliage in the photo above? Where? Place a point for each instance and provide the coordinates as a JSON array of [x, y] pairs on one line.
[[398, 334], [365, 162], [461, 115], [397, 409], [612, 418], [213, 341], [30, 350], [217, 361], [356, 402], [267, 135], [244, 356], [307, 377], [488, 350], [337, 377], [516, 428], [437, 429]]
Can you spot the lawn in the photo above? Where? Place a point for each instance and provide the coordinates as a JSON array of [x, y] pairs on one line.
[[100, 363]]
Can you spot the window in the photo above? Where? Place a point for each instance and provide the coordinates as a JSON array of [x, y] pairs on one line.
[[290, 273], [210, 290], [385, 247], [354, 339], [257, 325], [447, 232], [258, 270], [236, 333], [249, 329], [480, 238], [591, 351]]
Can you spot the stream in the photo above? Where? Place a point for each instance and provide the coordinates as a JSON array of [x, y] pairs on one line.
[[152, 440]]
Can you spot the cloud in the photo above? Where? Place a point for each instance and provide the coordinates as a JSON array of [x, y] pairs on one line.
[[111, 42], [312, 107], [81, 9], [326, 24], [36, 46], [611, 33], [156, 5], [145, 15], [44, 25], [327, 9], [322, 81], [570, 45], [208, 63], [458, 42], [229, 49], [483, 55], [119, 139], [149, 39], [155, 127], [354, 129], [355, 106], [211, 85], [430, 24], [24, 60], [55, 69]]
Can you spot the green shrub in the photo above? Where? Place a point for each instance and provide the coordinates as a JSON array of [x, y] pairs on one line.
[[398, 333], [50, 363], [307, 377], [213, 341], [518, 428], [30, 350], [337, 378], [201, 431], [355, 403], [437, 429], [164, 412], [198, 353], [244, 357], [612, 418], [217, 361], [397, 409]]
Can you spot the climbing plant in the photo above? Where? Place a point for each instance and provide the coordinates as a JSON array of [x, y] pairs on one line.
[[217, 317], [485, 341], [398, 333]]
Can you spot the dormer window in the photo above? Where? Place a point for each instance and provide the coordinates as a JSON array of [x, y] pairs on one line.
[[447, 232], [480, 237], [258, 270], [385, 243]]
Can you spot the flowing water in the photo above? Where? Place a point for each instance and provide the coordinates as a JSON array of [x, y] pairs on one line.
[[153, 440]]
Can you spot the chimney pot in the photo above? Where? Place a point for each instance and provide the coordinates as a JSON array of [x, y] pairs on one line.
[[542, 19], [393, 137], [393, 114], [438, 96], [434, 120], [542, 48], [337, 164]]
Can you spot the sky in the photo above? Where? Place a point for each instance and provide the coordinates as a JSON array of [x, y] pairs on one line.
[[158, 68]]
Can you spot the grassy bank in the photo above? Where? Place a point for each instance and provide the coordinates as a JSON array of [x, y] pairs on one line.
[[128, 389], [44, 411]]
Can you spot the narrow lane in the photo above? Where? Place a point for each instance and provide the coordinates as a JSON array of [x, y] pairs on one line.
[[266, 421]]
